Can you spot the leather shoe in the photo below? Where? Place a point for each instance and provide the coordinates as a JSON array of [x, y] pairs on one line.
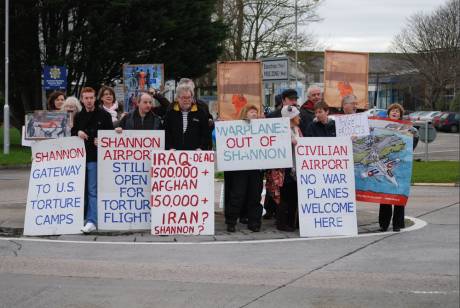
[[254, 228], [285, 228]]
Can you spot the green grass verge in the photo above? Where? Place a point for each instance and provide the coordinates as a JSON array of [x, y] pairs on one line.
[[423, 172], [18, 155], [436, 172]]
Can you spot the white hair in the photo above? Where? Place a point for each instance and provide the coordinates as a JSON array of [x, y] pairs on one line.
[[184, 88], [186, 81], [71, 100], [313, 87], [349, 99]]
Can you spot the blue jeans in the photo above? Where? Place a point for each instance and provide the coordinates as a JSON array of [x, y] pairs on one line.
[[91, 183]]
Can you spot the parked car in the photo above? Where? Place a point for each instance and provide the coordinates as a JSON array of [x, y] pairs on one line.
[[428, 116], [413, 116], [436, 120], [449, 122], [375, 112]]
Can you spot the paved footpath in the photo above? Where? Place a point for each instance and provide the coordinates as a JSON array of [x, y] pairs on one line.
[[13, 196]]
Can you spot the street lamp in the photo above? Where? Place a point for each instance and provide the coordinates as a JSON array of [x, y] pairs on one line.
[[6, 107]]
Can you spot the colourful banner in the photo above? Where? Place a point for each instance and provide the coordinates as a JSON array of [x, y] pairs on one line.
[[182, 192], [383, 162], [138, 78], [345, 73], [255, 144], [238, 83], [56, 195], [326, 186], [124, 178]]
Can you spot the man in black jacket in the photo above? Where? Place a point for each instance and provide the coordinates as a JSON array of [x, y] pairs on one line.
[[86, 124], [141, 118], [307, 110], [186, 124]]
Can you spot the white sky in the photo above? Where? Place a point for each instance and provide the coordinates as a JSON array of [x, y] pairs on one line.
[[365, 25]]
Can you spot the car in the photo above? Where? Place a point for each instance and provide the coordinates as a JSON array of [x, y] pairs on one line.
[[413, 116], [449, 122], [375, 112], [436, 120], [428, 116]]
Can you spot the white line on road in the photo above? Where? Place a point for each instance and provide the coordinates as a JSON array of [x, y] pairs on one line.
[[418, 224]]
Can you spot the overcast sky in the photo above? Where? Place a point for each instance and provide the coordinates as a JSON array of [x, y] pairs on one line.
[[365, 25]]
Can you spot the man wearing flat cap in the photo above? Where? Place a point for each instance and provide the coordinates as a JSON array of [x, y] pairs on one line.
[[288, 98]]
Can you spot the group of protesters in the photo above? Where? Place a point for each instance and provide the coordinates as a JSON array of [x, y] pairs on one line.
[[188, 125]]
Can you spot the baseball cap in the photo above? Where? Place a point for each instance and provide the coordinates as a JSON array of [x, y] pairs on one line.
[[290, 93]]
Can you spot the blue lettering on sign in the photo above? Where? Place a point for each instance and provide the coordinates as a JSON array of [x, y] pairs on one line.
[[335, 178], [54, 219], [328, 222], [255, 154], [253, 129], [56, 171], [328, 207]]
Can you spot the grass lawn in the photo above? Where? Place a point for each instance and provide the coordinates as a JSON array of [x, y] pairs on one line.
[[18, 155], [436, 172]]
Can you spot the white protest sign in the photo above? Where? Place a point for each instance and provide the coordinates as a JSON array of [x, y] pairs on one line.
[[182, 194], [55, 200], [255, 144], [124, 178], [326, 186], [352, 125]]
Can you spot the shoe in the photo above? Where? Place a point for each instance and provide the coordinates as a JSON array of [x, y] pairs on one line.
[[254, 228], [244, 220], [88, 228], [382, 229], [285, 228], [268, 215], [231, 228], [396, 229]]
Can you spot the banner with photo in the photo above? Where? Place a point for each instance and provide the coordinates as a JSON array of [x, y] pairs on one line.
[[345, 73], [238, 83], [138, 78], [43, 124], [383, 162]]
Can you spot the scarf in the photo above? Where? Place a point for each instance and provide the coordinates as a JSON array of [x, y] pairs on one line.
[[112, 110]]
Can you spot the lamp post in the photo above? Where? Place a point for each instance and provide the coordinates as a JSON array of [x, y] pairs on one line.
[[6, 107]]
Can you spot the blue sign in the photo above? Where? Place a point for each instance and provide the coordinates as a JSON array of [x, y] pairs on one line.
[[54, 77]]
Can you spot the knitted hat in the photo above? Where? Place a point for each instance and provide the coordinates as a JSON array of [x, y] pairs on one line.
[[289, 112]]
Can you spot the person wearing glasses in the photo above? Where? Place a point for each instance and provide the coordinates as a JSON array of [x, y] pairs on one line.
[[349, 104], [186, 125]]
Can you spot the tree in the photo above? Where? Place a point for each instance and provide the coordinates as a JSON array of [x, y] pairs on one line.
[[431, 45], [94, 38], [260, 28]]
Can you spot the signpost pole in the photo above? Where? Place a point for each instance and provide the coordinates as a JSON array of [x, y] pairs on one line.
[[426, 141]]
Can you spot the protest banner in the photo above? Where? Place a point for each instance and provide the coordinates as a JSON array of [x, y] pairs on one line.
[[42, 124], [238, 82], [356, 124], [345, 73], [182, 193], [124, 178], [383, 162], [255, 144], [326, 186], [138, 78], [55, 199]]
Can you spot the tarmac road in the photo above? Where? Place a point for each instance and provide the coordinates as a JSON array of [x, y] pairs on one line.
[[446, 146], [419, 268]]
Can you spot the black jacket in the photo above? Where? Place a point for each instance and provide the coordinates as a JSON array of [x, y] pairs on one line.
[[306, 118], [318, 129], [133, 120], [90, 123], [197, 134]]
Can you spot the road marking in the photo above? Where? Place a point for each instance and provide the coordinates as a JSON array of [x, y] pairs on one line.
[[418, 224]]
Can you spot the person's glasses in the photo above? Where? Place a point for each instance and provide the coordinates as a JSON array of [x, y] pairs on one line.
[[185, 97]]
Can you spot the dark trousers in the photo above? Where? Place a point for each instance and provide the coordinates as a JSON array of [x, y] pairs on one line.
[[269, 204], [243, 188], [385, 213], [286, 214]]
